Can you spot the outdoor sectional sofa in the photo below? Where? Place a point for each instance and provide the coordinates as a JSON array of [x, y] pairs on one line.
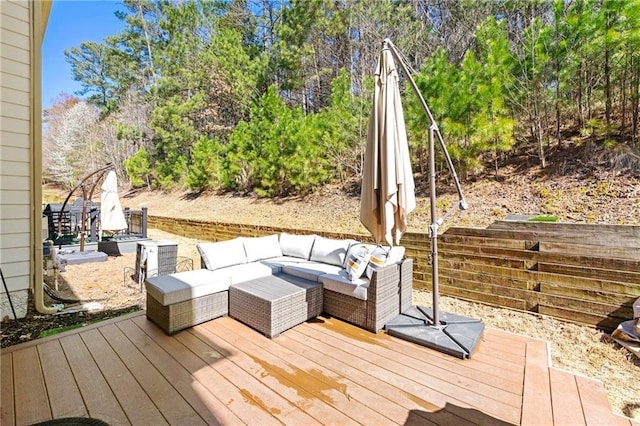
[[273, 283]]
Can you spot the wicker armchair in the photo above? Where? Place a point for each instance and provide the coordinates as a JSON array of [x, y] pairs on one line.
[[388, 295]]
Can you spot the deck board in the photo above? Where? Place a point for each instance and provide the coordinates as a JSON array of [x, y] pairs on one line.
[[251, 391], [565, 399], [283, 377], [351, 399], [204, 372], [64, 398], [202, 401], [135, 402], [7, 417], [99, 401], [537, 408], [443, 368], [162, 393], [31, 402], [485, 371], [351, 368], [128, 371], [595, 405], [448, 385], [413, 381]]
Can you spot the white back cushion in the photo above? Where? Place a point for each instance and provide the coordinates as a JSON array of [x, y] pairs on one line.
[[332, 252], [396, 254], [296, 245], [222, 254], [259, 248]]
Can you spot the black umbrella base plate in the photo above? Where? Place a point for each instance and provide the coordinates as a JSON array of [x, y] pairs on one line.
[[457, 335]]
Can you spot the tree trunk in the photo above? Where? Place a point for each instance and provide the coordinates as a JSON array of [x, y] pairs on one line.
[[148, 42], [558, 137], [635, 100], [607, 91], [557, 76], [623, 100], [537, 125], [540, 138], [588, 95], [580, 108]]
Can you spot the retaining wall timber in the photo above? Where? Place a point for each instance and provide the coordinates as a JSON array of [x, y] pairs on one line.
[[588, 274]]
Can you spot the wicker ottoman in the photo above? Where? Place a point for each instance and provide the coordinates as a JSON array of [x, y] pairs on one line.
[[275, 303], [182, 300]]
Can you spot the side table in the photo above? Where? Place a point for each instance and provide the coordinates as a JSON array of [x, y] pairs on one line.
[[275, 303], [155, 258]]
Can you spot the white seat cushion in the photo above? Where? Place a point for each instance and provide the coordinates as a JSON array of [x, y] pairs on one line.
[[259, 248], [311, 271], [296, 245], [340, 283], [222, 254], [174, 288], [250, 271], [281, 261], [333, 252]]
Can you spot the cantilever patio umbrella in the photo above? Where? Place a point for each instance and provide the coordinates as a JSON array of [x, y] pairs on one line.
[[388, 197], [388, 194]]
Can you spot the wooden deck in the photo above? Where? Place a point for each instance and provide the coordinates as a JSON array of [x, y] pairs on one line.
[[127, 371]]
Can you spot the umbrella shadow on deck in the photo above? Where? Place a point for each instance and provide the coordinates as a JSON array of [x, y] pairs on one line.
[[452, 414]]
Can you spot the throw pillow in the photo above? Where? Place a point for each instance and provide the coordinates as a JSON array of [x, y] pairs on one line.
[[383, 256], [378, 259], [357, 261]]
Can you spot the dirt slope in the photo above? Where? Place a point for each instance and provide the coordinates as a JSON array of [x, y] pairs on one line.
[[601, 198]]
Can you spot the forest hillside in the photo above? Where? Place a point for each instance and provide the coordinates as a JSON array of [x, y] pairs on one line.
[[575, 189], [264, 98]]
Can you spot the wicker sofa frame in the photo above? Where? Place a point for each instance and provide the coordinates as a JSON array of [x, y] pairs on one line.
[[178, 316], [389, 293]]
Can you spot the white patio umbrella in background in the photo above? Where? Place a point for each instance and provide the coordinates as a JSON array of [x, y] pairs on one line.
[[388, 192], [387, 197], [111, 215]]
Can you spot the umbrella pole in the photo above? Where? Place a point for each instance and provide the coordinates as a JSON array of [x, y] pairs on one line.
[[433, 230]]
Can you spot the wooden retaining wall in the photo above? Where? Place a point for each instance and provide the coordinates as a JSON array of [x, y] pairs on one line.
[[584, 273]]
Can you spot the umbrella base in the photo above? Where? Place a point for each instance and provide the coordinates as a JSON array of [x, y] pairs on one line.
[[457, 335]]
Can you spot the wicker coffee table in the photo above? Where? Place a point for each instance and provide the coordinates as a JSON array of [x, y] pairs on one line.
[[275, 303]]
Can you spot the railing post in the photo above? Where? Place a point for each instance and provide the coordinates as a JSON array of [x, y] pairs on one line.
[[93, 214], [127, 217], [144, 222]]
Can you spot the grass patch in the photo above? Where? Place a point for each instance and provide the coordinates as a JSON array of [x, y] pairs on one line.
[[54, 331], [543, 219], [89, 319]]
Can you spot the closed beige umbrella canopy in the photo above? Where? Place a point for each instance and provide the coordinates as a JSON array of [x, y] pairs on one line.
[[111, 216], [387, 193]]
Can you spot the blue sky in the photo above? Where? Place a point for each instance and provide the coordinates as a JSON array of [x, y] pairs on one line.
[[71, 23]]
